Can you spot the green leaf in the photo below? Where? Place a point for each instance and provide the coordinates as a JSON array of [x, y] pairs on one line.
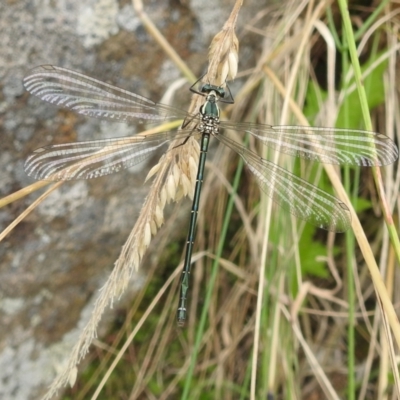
[[373, 84], [310, 250], [374, 88], [314, 97]]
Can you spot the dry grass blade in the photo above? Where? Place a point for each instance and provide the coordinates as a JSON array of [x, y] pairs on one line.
[[135, 331], [312, 17], [160, 39], [22, 193], [29, 209]]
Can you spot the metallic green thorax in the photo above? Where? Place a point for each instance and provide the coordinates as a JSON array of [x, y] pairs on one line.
[[210, 107]]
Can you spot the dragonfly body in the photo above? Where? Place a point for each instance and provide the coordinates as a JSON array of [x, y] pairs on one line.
[[91, 159], [209, 125]]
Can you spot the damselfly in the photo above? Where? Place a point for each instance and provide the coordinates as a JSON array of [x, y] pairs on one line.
[[95, 158]]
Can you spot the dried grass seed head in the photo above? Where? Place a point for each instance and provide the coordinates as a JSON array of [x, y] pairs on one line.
[[223, 56]]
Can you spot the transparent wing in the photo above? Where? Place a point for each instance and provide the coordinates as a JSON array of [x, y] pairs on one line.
[[294, 194], [326, 145], [94, 98], [95, 158]]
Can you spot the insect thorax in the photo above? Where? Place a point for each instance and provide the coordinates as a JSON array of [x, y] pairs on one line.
[[209, 115]]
